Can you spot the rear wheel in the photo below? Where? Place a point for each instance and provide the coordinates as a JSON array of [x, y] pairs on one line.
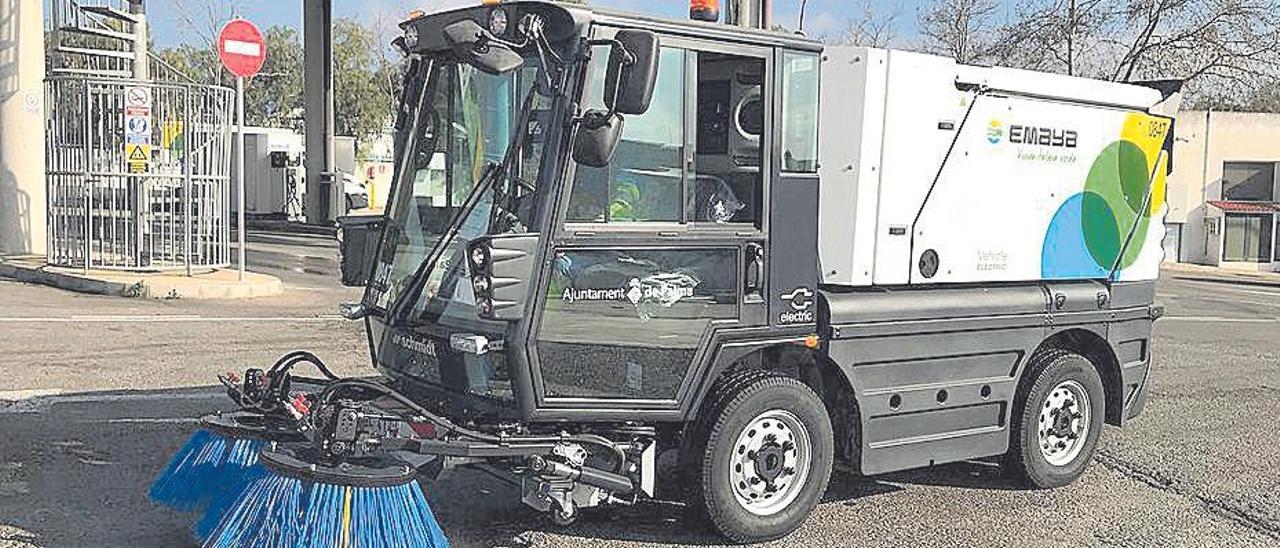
[[1058, 421], [766, 459]]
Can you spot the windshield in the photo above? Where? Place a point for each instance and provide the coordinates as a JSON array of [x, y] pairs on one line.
[[465, 124]]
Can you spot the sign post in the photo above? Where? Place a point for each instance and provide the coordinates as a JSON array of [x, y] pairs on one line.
[[242, 50]]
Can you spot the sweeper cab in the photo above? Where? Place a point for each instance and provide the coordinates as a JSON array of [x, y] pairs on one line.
[[628, 258]]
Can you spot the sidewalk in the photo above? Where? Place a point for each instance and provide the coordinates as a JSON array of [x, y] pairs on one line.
[[1203, 273], [208, 284]]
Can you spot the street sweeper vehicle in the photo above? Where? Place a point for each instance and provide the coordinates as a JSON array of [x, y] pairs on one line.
[[628, 257]]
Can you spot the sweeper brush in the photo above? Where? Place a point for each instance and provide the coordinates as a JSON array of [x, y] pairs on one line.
[[294, 466], [297, 501]]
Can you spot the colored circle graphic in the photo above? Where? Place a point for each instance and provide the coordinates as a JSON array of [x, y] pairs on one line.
[[1088, 232]]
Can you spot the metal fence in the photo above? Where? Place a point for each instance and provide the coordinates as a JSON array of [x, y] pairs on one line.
[[116, 204]]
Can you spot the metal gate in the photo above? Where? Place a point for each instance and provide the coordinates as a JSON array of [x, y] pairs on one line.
[[150, 196]]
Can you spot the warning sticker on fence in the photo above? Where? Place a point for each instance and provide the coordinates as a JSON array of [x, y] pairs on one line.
[[138, 156]]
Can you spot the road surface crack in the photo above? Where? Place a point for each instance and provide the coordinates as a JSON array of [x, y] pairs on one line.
[[1153, 478]]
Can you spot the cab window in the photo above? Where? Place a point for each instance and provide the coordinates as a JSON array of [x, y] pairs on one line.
[[693, 158]]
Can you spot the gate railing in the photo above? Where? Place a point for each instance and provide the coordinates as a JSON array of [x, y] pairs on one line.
[[165, 208]]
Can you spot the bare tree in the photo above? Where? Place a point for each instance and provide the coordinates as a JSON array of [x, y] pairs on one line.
[[1227, 42], [962, 29], [204, 18], [1054, 35], [1228, 51], [869, 27]]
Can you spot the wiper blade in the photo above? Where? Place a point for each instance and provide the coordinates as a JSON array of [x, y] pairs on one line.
[[493, 174], [413, 286]]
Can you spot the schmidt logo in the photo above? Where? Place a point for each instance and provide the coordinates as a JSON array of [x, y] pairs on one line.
[[995, 132]]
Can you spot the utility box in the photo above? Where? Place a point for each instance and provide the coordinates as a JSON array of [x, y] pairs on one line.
[[936, 172], [272, 172]]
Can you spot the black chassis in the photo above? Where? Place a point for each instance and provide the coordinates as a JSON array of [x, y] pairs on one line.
[[952, 356]]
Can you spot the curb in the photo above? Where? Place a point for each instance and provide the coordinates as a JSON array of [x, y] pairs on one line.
[[289, 228], [59, 280], [145, 287]]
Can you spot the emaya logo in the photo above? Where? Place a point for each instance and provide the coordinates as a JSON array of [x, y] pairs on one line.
[[995, 132]]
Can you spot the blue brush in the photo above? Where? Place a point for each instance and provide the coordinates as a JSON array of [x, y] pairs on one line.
[[286, 506], [200, 468], [223, 494]]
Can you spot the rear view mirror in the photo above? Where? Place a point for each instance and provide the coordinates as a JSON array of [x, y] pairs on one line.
[[597, 138], [632, 72], [358, 238], [477, 47]]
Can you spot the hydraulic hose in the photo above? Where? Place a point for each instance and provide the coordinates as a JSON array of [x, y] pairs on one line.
[[449, 425], [288, 361]]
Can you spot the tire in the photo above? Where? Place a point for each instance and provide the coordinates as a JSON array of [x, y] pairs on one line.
[[1058, 418], [770, 430]]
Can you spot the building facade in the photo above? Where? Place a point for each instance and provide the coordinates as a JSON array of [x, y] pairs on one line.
[[1224, 195]]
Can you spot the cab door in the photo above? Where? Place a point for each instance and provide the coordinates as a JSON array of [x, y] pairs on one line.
[[654, 253]]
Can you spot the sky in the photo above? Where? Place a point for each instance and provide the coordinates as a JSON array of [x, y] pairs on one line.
[[822, 18]]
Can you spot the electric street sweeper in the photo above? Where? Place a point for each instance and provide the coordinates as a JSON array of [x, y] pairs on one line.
[[628, 257]]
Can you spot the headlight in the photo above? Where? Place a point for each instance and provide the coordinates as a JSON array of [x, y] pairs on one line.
[[479, 258], [498, 21]]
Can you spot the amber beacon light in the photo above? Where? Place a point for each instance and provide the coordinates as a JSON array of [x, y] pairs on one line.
[[704, 10]]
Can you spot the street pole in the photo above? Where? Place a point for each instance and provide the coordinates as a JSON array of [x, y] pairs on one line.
[[239, 170]]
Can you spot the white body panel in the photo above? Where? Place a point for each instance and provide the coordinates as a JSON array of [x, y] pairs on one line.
[[998, 174], [848, 180]]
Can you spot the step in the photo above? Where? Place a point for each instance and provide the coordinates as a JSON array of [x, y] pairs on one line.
[[98, 31], [96, 52], [111, 12], [92, 72]]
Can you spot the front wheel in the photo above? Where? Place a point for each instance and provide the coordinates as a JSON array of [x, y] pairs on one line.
[[1057, 421], [766, 460]]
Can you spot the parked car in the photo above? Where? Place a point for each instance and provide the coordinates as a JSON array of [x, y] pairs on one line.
[[357, 193]]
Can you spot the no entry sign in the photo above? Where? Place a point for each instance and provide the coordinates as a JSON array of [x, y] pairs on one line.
[[241, 48]]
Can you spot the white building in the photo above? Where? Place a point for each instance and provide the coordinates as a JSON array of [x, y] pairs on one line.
[[1224, 196]]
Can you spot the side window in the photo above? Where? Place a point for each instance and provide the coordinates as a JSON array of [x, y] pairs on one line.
[[727, 186], [648, 181], [800, 112], [643, 182]]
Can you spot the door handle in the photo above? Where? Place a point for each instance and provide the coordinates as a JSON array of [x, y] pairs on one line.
[[754, 280]]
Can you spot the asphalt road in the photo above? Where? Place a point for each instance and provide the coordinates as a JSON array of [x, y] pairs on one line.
[[101, 390]]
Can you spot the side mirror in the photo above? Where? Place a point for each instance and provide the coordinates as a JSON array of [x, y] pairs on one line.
[[597, 138], [501, 268], [478, 48], [632, 72], [358, 238]]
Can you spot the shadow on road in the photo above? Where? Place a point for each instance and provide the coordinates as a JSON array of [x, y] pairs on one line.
[[74, 470]]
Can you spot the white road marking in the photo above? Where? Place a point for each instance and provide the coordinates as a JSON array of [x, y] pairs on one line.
[[106, 318], [1218, 319], [166, 420], [55, 396]]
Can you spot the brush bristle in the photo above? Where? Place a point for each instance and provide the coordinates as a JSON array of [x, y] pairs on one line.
[[183, 482], [278, 511], [223, 495]]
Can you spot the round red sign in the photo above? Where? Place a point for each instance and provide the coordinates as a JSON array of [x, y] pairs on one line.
[[241, 48]]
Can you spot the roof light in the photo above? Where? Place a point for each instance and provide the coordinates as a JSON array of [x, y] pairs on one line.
[[411, 37], [498, 21], [704, 10]]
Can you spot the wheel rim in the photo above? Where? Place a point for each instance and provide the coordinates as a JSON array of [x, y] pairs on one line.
[[1064, 423], [770, 462]]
